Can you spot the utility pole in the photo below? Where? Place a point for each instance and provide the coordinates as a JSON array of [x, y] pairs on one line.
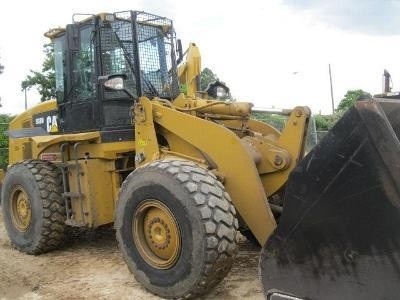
[[330, 80], [26, 100]]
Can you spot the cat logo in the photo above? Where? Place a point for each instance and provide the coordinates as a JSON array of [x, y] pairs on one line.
[[51, 124], [54, 128], [47, 120]]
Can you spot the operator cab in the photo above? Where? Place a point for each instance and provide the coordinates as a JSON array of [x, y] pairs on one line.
[[136, 44]]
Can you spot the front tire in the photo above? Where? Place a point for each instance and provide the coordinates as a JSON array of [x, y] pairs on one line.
[[176, 228], [33, 209]]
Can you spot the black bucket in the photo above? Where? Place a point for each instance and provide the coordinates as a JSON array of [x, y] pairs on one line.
[[339, 234]]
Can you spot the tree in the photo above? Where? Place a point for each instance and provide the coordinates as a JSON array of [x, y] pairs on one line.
[[277, 121], [44, 81], [351, 97], [206, 77], [1, 71], [4, 121], [326, 122]]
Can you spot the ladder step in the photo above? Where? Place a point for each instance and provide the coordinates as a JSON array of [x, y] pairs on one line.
[[73, 223], [72, 195]]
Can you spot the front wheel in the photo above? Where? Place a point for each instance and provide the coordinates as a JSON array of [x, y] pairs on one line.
[[176, 228]]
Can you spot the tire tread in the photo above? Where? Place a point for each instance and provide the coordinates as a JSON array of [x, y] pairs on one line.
[[218, 216], [49, 181]]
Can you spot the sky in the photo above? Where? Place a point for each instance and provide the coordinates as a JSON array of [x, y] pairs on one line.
[[273, 53]]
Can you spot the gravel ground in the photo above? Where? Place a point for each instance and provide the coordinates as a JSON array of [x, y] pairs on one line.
[[89, 266]]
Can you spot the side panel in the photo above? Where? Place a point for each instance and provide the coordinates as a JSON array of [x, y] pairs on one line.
[[95, 183], [21, 148]]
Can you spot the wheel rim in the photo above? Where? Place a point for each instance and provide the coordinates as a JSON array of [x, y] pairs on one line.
[[156, 234], [21, 211]]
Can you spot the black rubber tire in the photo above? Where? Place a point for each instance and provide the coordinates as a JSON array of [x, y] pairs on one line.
[[42, 182], [206, 219]]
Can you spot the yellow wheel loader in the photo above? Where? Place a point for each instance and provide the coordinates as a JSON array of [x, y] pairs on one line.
[[132, 141]]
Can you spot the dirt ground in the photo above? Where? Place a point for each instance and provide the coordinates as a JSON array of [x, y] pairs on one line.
[[89, 266]]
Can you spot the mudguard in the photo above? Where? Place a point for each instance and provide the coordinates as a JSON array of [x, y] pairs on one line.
[[339, 233]]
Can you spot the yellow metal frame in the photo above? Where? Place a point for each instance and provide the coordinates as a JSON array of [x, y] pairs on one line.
[[224, 151], [96, 203], [189, 71], [251, 158]]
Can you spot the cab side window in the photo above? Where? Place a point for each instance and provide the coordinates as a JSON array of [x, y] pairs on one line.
[[83, 63], [59, 59]]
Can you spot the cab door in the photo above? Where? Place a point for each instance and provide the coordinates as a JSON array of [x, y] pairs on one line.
[[80, 109]]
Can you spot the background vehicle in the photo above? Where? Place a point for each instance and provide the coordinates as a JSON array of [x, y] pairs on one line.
[[178, 174]]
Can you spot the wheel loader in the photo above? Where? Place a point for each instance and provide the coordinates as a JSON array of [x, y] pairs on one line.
[[131, 140]]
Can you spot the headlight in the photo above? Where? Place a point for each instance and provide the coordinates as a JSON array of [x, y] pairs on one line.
[[221, 92], [217, 90]]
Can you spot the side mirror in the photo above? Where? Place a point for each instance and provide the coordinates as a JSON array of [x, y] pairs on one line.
[[114, 82]]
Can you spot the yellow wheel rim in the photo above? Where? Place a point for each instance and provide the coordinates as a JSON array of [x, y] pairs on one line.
[[21, 212], [156, 234]]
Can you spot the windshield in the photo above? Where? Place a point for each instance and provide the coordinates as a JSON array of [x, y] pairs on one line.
[[117, 55], [156, 56]]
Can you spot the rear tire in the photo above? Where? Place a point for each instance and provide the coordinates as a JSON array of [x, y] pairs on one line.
[[32, 206], [176, 228]]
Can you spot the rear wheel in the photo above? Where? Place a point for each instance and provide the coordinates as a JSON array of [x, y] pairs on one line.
[[33, 209], [176, 228]]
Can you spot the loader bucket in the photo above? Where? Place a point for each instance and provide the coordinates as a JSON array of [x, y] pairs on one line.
[[339, 234]]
